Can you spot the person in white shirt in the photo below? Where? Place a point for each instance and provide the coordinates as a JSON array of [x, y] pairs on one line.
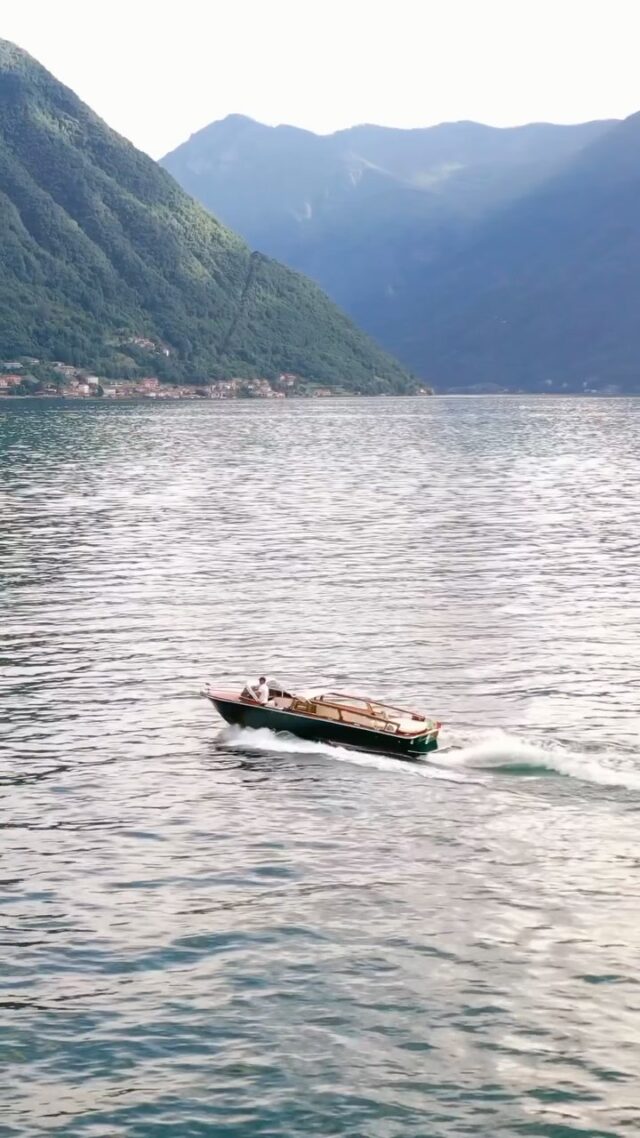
[[262, 690], [258, 692]]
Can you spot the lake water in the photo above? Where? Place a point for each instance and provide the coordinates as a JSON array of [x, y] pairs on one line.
[[227, 934]]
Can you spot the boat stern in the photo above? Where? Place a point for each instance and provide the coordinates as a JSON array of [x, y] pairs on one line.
[[427, 741]]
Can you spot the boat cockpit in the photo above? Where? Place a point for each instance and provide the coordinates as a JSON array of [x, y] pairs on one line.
[[354, 711]]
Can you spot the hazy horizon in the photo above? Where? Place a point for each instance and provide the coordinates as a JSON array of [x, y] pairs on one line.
[[159, 75]]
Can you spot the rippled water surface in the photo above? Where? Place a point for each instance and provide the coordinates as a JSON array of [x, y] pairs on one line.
[[227, 934]]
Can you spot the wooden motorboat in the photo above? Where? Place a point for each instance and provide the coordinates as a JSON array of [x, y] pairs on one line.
[[332, 717]]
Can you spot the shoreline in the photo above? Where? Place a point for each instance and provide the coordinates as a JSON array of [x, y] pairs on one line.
[[300, 398]]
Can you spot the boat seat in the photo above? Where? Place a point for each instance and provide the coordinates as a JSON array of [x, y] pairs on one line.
[[411, 726], [372, 723]]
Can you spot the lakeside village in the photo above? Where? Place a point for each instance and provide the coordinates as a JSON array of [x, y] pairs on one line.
[[77, 383], [17, 378]]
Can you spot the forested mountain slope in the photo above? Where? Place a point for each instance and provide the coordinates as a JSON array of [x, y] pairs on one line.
[[99, 247]]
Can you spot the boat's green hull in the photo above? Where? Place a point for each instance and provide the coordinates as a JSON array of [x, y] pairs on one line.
[[321, 731]]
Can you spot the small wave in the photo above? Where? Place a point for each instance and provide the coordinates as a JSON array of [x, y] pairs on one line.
[[508, 754], [264, 740]]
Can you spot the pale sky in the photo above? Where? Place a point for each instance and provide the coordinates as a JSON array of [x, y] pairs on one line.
[[158, 71]]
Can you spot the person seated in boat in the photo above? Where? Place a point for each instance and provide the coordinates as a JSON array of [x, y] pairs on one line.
[[262, 690], [260, 693]]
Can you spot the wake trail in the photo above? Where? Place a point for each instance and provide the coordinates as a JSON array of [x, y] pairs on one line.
[[495, 753], [503, 753]]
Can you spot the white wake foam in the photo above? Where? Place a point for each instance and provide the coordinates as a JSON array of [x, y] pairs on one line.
[[495, 752], [262, 739], [499, 751]]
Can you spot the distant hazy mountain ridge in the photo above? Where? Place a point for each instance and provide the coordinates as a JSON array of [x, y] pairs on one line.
[[545, 294], [100, 251], [482, 257]]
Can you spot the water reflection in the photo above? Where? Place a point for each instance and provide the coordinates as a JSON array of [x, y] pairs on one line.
[[212, 936]]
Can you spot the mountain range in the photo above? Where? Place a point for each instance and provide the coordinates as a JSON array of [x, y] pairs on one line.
[[106, 262], [484, 258]]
